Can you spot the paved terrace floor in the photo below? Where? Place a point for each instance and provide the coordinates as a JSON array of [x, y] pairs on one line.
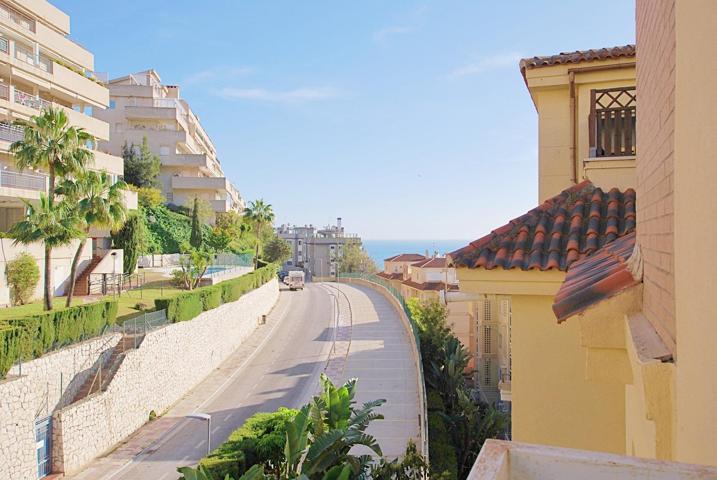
[[379, 355]]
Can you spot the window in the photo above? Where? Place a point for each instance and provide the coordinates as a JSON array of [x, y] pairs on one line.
[[113, 104], [164, 151]]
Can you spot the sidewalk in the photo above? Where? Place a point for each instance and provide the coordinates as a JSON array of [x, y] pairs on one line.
[[379, 355]]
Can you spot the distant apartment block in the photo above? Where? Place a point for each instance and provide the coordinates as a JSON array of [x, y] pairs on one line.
[[41, 67], [141, 106], [316, 250]]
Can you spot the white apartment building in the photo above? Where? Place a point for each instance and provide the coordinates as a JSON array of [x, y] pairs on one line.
[[141, 106], [40, 66]]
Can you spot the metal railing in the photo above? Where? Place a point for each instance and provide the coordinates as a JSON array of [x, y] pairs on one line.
[[22, 180], [114, 283], [30, 100], [4, 91], [4, 45]]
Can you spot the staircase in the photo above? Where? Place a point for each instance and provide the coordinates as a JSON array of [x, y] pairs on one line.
[[82, 282], [105, 370]]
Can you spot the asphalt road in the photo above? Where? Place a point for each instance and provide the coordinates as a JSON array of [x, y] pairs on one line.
[[281, 370]]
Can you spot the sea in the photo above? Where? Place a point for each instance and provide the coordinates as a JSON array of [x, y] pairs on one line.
[[379, 250]]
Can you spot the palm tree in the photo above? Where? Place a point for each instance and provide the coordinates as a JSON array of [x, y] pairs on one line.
[[50, 143], [52, 224], [260, 214], [96, 202]]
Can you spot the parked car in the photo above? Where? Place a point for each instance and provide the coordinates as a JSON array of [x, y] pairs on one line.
[[282, 275]]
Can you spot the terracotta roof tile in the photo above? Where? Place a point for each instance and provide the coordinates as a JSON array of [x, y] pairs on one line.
[[406, 257], [390, 276], [577, 57], [595, 278], [557, 233], [429, 286], [438, 262]]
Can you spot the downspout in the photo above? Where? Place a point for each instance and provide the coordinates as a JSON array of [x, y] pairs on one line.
[[573, 128]]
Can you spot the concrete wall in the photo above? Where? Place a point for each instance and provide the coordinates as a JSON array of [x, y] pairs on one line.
[[655, 166], [168, 363], [46, 383]]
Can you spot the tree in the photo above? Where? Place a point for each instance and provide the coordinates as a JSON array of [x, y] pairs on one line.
[[96, 202], [50, 143], [356, 259], [277, 250], [412, 466], [22, 276], [132, 239], [147, 196], [261, 215], [54, 225], [193, 264], [195, 239], [141, 166]]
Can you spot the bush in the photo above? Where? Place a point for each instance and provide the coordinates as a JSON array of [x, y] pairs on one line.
[[442, 455], [186, 306], [30, 337], [259, 441], [22, 277]]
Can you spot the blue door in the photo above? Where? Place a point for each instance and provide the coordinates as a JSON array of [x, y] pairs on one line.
[[43, 443]]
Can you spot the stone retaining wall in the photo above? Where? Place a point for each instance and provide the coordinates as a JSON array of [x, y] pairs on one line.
[[46, 383], [168, 363]]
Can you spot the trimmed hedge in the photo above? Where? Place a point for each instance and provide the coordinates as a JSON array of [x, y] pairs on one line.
[[32, 336], [260, 440], [186, 306]]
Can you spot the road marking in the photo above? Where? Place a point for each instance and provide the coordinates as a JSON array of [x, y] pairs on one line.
[[157, 444]]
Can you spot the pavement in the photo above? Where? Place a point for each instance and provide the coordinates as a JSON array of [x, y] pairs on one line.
[[279, 365]]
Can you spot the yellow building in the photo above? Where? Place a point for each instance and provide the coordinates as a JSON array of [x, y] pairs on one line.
[[428, 279], [395, 268], [41, 67], [586, 106], [534, 366]]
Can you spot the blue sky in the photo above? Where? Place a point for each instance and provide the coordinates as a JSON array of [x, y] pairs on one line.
[[409, 119]]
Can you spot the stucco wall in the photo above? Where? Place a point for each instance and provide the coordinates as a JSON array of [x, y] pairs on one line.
[[695, 231], [656, 159], [553, 403], [168, 363], [46, 383]]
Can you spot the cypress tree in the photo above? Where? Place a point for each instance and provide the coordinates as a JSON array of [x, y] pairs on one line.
[[195, 239]]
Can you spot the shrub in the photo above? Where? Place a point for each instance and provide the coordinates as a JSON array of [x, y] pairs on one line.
[[132, 238], [260, 440], [32, 336], [22, 277], [186, 306]]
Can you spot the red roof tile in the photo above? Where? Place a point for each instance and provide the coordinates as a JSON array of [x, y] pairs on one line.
[[406, 257], [390, 276], [438, 262], [433, 286], [577, 57], [560, 231], [595, 278]]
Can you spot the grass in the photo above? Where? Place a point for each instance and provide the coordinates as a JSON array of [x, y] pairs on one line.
[[125, 303]]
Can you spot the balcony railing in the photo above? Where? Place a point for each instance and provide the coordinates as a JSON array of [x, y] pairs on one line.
[[4, 45], [30, 100], [26, 55], [4, 91], [612, 122], [11, 133], [25, 181], [16, 18]]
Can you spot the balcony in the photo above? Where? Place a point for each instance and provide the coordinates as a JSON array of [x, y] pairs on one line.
[[221, 206], [612, 122], [22, 185], [16, 18], [200, 183], [10, 133], [109, 163], [502, 460], [504, 385]]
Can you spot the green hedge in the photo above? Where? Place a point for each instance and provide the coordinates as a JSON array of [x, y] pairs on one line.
[[32, 336], [186, 306], [260, 440]]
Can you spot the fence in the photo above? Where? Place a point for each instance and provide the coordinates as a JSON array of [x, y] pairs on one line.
[[114, 283], [174, 259], [414, 329]]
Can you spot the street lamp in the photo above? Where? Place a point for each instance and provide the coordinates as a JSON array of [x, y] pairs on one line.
[[208, 418]]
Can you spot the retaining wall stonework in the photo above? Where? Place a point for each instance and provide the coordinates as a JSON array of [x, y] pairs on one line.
[[168, 363], [46, 383]]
